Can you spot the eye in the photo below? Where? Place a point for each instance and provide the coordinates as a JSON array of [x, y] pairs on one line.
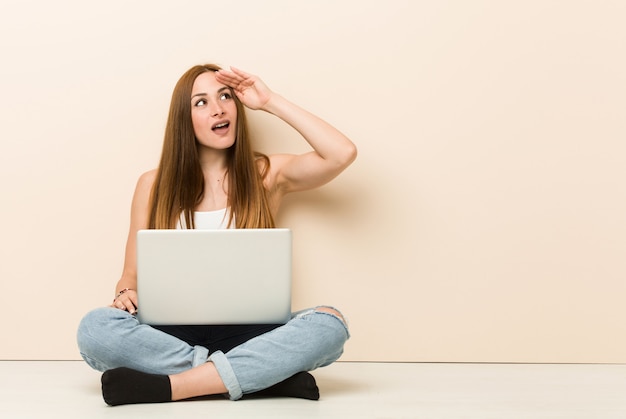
[[200, 102], [225, 96]]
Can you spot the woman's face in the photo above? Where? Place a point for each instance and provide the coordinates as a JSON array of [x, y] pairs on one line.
[[213, 112]]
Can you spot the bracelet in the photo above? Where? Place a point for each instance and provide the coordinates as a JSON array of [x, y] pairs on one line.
[[120, 293]]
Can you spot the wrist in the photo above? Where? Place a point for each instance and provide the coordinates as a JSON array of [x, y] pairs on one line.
[[274, 104], [120, 292]]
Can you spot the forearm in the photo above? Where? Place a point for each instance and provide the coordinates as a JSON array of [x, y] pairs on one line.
[[326, 140], [129, 273], [126, 282]]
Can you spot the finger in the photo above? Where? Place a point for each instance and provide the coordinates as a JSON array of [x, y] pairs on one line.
[[228, 78], [239, 79], [128, 306], [132, 307], [240, 73], [133, 299], [125, 304]]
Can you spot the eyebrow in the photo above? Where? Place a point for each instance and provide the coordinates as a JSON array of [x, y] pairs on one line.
[[206, 94]]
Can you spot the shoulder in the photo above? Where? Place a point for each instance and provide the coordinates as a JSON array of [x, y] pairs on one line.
[[272, 168], [279, 160], [144, 184], [148, 177], [146, 180]]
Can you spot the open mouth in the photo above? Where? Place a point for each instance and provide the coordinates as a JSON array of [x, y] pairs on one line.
[[221, 126]]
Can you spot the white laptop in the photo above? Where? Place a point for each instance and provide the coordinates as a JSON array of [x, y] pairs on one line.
[[214, 277]]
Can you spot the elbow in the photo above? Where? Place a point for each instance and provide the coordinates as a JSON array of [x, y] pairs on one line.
[[353, 153], [349, 154]]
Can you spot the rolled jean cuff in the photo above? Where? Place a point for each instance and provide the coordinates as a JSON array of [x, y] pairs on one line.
[[200, 355], [227, 374]]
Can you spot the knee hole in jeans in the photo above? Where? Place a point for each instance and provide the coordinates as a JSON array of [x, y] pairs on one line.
[[331, 311]]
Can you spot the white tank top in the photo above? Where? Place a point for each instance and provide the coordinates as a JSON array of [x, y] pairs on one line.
[[207, 220]]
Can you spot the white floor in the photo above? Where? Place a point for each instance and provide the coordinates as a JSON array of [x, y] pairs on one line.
[[69, 389]]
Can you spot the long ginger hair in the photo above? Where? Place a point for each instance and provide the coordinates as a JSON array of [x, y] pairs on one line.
[[179, 183]]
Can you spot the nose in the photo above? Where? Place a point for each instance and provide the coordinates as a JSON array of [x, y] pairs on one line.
[[217, 109]]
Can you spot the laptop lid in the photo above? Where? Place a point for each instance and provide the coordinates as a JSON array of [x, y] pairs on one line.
[[230, 276]]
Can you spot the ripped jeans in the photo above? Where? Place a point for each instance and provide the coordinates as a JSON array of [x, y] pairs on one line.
[[247, 358]]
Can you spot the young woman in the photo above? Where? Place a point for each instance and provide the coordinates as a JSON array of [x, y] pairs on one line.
[[209, 177]]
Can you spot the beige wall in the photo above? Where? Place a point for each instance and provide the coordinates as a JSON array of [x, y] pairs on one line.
[[484, 220]]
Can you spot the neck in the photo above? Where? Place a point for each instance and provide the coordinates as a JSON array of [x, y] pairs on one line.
[[214, 164]]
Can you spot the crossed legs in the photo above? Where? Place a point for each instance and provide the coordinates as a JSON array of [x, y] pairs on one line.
[[270, 364]]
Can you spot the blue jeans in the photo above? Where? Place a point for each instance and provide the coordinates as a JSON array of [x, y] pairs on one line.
[[110, 338]]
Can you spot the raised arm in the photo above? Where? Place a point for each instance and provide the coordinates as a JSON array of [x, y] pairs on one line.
[[332, 151]]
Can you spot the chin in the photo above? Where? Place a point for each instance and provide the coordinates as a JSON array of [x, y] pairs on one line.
[[216, 145]]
